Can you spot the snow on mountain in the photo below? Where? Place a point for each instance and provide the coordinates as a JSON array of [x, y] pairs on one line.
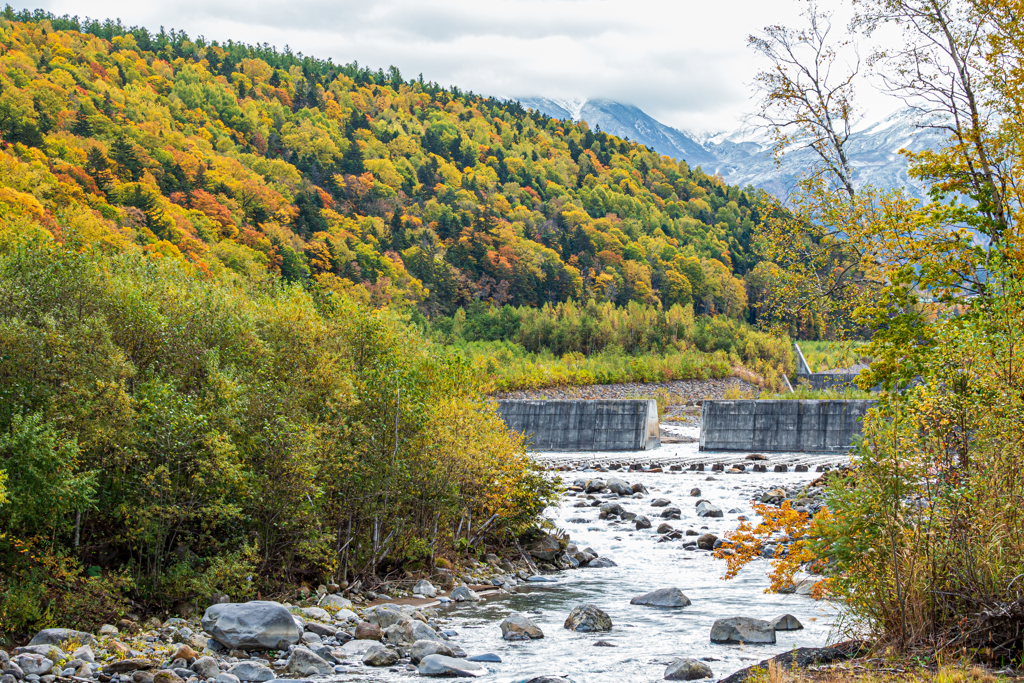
[[743, 156]]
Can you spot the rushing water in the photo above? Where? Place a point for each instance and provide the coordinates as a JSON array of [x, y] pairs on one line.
[[646, 639]]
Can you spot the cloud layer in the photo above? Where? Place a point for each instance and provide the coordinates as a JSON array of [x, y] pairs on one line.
[[684, 62]]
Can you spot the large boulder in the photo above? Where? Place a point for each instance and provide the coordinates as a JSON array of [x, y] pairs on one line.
[[543, 546], [706, 509], [787, 622], [619, 486], [599, 563], [663, 597], [742, 630], [378, 655], [57, 636], [31, 663], [518, 626], [439, 665], [424, 588], [687, 670], [206, 667], [425, 648], [706, 541], [464, 594], [305, 662], [385, 615], [588, 619], [250, 671], [256, 625]]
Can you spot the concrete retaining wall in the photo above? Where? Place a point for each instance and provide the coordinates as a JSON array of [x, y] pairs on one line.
[[584, 425], [781, 426]]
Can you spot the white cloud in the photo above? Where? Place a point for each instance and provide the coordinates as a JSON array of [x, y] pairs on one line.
[[684, 62]]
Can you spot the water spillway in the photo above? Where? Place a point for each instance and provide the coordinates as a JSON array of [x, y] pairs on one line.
[[790, 426], [581, 425]]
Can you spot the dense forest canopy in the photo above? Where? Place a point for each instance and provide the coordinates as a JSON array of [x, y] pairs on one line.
[[393, 191]]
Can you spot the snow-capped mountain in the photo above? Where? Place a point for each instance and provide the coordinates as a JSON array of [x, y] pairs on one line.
[[743, 156]]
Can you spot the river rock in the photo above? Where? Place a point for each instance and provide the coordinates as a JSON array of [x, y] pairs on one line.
[[660, 502], [367, 631], [611, 510], [642, 522], [424, 588], [542, 546], [305, 662], [695, 492], [357, 647], [425, 648], [255, 672], [384, 615], [486, 657], [51, 652], [517, 626], [256, 625], [619, 486], [588, 619], [123, 666], [464, 594], [594, 486], [168, 676], [671, 513], [687, 670], [322, 630], [787, 622], [742, 630], [206, 667], [706, 509], [378, 655], [316, 613], [599, 563], [706, 541], [664, 528], [225, 677], [440, 665], [33, 664], [57, 636], [663, 597]]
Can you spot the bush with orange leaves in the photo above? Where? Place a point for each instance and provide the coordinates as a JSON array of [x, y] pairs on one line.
[[745, 544]]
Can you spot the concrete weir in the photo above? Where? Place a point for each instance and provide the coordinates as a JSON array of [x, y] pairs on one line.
[[781, 426], [627, 425]]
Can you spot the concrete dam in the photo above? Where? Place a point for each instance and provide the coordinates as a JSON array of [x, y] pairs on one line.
[[782, 426], [584, 425]]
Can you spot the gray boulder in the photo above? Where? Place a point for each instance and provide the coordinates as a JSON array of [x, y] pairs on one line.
[[464, 594], [317, 613], [787, 622], [225, 677], [336, 601], [378, 655], [687, 670], [588, 619], [56, 636], [742, 630], [595, 486], [543, 546], [671, 513], [408, 632], [663, 597], [611, 510], [206, 667], [660, 502], [33, 664], [51, 652], [706, 509], [385, 615], [357, 647], [256, 625], [305, 662], [425, 648], [517, 626], [440, 665], [251, 671], [619, 486], [599, 563], [642, 522], [424, 588]]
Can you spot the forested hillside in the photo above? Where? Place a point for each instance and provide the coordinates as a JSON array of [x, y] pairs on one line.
[[394, 191]]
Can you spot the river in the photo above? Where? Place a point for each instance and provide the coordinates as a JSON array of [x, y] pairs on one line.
[[646, 639]]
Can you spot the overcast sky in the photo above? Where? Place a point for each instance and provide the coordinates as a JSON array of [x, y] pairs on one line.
[[684, 62]]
